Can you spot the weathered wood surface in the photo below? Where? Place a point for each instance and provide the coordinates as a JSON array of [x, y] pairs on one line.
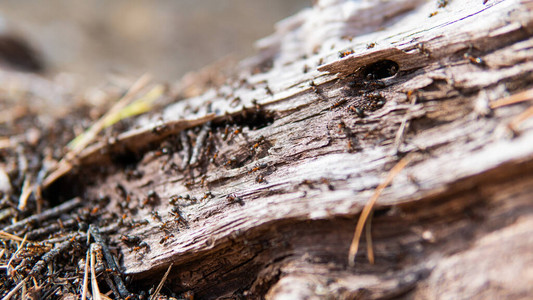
[[293, 147]]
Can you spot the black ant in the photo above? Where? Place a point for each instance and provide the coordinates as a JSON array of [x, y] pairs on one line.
[[259, 178], [345, 53], [232, 198], [478, 61], [165, 238], [358, 111]]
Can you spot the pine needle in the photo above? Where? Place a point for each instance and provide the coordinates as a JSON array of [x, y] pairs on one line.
[[369, 206], [160, 286], [94, 283], [8, 236], [85, 277], [369, 244], [14, 290], [513, 99], [20, 247], [25, 194], [526, 114]]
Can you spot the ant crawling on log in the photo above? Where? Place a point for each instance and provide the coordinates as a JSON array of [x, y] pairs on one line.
[[478, 61], [345, 53], [232, 198], [474, 59], [443, 3], [166, 238]]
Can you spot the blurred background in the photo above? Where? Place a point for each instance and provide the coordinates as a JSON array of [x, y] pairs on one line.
[[167, 38]]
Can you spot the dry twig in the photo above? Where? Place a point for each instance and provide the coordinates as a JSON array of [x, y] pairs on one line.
[[86, 276], [110, 261], [45, 215], [49, 256]]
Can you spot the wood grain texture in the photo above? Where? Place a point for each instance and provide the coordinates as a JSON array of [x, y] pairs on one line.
[[299, 139]]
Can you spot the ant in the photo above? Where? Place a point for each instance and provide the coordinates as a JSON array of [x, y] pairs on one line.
[[141, 246], [165, 238], [232, 198], [422, 48], [269, 91], [151, 197], [156, 216], [345, 53], [358, 111], [208, 194], [338, 103], [130, 240], [175, 212], [478, 61], [341, 126], [259, 178]]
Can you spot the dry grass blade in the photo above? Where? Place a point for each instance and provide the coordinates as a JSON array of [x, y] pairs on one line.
[[369, 206], [513, 99], [139, 106], [85, 277], [45, 215], [94, 283], [82, 141], [160, 285]]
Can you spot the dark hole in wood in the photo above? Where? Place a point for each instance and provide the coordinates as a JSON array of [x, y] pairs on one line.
[[252, 118], [381, 69], [63, 189]]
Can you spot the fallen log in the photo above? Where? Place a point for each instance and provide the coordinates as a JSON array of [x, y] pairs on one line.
[[253, 188]]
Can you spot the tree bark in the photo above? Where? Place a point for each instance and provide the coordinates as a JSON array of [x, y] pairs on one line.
[[253, 188]]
